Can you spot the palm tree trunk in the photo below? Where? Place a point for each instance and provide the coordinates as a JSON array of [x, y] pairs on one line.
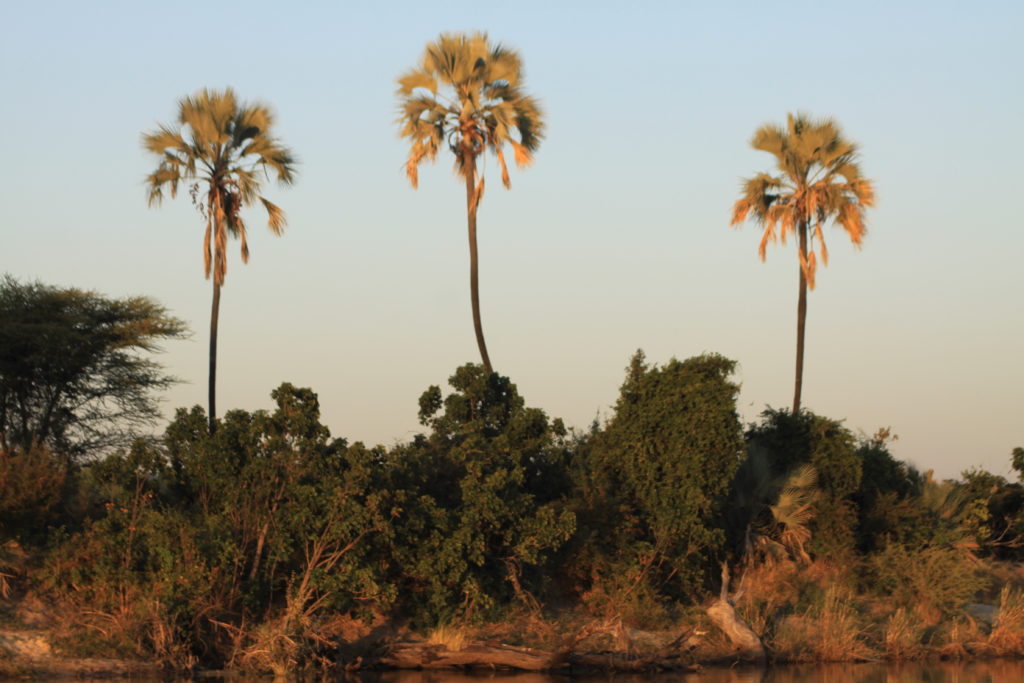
[[214, 316], [801, 319], [474, 282]]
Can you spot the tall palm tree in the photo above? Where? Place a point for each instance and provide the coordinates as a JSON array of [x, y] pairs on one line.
[[223, 149], [819, 179], [466, 94]]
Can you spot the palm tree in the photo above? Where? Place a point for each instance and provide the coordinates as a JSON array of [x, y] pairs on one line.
[[819, 179], [221, 148], [466, 94]]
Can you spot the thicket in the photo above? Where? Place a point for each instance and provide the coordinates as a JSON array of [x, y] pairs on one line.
[[253, 546]]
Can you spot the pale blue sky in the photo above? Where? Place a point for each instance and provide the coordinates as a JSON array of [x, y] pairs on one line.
[[616, 239]]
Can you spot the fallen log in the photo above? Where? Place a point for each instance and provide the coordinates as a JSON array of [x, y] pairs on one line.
[[423, 655]]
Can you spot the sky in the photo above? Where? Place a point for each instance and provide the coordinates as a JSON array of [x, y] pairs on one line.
[[617, 238]]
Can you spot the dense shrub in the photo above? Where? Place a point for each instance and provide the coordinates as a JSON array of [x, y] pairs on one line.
[[652, 480], [482, 499], [32, 485], [266, 520], [789, 440], [933, 581], [883, 497]]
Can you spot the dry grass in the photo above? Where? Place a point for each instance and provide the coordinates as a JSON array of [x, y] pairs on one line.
[[902, 636], [1007, 636], [453, 638], [769, 590], [137, 629], [828, 632], [957, 639]]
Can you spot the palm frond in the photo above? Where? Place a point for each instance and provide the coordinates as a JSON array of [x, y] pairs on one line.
[[163, 139], [478, 193], [852, 219], [740, 209], [240, 229], [794, 509], [769, 138], [249, 122], [165, 174], [416, 79], [206, 248], [522, 154], [821, 242], [504, 169], [805, 267], [275, 217]]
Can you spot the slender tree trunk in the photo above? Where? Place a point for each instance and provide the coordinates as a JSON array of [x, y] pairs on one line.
[[801, 319], [474, 283], [214, 316]]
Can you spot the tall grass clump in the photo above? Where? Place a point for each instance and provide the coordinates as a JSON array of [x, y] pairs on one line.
[[1007, 636], [449, 636], [772, 591], [902, 636], [829, 631]]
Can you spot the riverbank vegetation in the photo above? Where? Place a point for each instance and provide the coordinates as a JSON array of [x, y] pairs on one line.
[[272, 545]]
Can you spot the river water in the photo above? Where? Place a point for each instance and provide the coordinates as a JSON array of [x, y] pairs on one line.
[[993, 671]]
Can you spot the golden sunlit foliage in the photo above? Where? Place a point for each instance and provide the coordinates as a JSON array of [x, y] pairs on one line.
[[466, 93], [222, 146], [819, 180]]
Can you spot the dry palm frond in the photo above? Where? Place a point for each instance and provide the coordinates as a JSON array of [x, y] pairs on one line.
[[504, 169], [821, 243], [478, 193]]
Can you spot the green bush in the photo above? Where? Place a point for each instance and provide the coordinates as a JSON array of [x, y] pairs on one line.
[[788, 441], [481, 496], [935, 581], [650, 484], [32, 486]]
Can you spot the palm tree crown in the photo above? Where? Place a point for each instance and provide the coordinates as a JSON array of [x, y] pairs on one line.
[[819, 179], [466, 94], [224, 147]]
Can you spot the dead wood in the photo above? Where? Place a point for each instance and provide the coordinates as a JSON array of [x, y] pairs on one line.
[[722, 613], [422, 655]]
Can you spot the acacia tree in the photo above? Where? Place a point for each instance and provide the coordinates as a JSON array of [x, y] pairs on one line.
[[75, 372], [819, 180], [220, 147], [466, 94]]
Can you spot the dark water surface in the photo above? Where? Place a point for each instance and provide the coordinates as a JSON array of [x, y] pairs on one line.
[[994, 671]]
